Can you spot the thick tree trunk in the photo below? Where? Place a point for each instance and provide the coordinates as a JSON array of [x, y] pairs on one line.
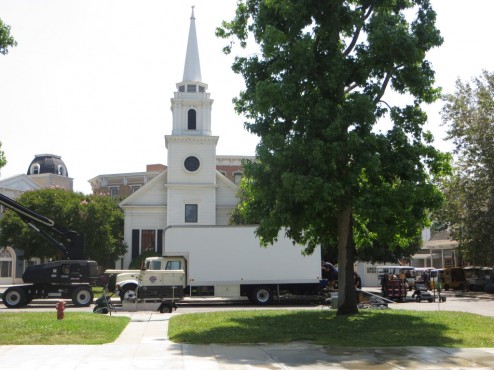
[[347, 297]]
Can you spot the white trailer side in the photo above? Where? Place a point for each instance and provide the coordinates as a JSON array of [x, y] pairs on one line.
[[231, 260]]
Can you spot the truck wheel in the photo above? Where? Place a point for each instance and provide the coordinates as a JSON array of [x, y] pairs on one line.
[[14, 297], [129, 293], [82, 296], [262, 295]]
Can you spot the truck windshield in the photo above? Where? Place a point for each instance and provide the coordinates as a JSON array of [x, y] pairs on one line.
[[173, 265], [153, 265]]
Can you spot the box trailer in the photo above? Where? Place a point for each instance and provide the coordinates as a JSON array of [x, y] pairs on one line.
[[222, 261]]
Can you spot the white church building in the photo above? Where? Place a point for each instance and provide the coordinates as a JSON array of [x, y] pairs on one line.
[[191, 190]]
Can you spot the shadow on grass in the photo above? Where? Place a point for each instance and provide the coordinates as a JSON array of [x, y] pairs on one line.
[[384, 328]]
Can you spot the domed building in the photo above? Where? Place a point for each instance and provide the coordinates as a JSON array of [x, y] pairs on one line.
[[48, 170], [45, 171], [47, 163]]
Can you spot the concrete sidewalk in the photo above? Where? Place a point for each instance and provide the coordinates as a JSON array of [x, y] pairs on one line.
[[144, 344]]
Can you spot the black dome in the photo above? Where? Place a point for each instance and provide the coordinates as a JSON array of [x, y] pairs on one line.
[[47, 163]]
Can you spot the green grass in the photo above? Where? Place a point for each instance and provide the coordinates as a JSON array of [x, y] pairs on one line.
[[97, 290], [371, 328], [75, 328]]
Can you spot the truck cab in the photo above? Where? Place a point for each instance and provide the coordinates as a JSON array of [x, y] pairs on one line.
[[159, 278]]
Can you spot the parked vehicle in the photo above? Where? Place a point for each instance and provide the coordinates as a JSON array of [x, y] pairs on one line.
[[477, 278], [425, 276], [68, 278], [396, 281], [454, 278], [222, 261]]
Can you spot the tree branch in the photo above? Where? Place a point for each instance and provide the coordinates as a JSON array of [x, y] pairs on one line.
[[351, 87], [385, 83], [357, 32]]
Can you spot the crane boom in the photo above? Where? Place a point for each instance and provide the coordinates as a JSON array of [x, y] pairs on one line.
[[74, 249]]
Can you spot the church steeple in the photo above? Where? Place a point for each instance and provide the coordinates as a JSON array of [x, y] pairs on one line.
[[191, 105], [191, 173], [192, 69]]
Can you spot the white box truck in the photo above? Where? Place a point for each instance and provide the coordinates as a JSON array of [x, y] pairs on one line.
[[222, 261]]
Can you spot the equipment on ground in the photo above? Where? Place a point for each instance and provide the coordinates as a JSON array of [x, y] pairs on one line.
[[68, 278]]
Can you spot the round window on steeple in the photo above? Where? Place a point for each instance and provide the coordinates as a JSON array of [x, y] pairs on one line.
[[191, 164]]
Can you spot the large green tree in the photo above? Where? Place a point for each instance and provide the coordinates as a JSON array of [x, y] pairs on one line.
[[469, 209], [6, 39], [314, 94], [98, 218]]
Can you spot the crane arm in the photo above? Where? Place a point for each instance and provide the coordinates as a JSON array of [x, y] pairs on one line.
[[75, 248]]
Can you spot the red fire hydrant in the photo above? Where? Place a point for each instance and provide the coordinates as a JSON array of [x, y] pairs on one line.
[[60, 308]]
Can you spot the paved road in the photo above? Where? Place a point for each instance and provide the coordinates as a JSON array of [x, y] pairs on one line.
[[478, 303]]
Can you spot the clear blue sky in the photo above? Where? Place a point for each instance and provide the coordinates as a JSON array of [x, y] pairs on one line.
[[91, 80]]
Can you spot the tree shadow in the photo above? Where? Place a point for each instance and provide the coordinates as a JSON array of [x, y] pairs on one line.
[[376, 329]]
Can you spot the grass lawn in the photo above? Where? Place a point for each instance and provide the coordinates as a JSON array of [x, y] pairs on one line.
[[370, 328], [75, 328]]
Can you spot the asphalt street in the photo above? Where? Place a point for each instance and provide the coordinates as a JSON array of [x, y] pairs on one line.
[[472, 302]]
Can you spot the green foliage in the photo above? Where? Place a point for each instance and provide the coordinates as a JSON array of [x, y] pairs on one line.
[[372, 328], [3, 159], [137, 262], [97, 217], [6, 39], [469, 192], [314, 94]]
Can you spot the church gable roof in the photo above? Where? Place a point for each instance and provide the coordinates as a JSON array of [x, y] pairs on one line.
[[226, 193], [151, 194]]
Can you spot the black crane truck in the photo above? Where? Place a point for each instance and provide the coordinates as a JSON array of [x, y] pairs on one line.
[[68, 278]]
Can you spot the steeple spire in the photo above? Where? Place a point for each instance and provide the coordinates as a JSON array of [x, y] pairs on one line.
[[192, 69]]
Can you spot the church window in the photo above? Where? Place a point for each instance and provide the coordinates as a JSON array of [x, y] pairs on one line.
[[191, 119], [181, 88], [201, 89], [148, 241], [35, 169], [191, 88], [191, 213]]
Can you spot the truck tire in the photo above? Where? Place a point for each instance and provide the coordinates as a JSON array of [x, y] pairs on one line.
[[261, 295], [14, 297], [82, 296], [128, 293]]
